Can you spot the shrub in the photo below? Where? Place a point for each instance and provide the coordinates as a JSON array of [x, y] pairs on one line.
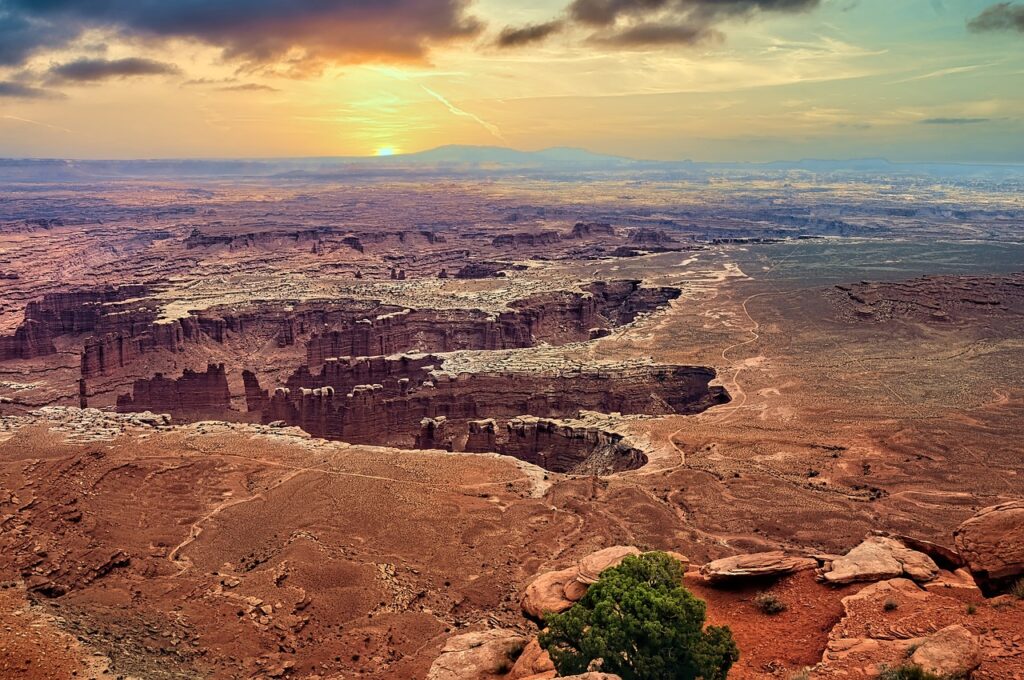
[[642, 624], [972, 609], [907, 671], [1017, 589], [890, 605], [769, 604]]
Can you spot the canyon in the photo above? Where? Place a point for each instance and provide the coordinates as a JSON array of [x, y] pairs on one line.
[[340, 429]]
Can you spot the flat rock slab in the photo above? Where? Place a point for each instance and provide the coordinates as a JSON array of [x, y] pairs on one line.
[[880, 558], [755, 565]]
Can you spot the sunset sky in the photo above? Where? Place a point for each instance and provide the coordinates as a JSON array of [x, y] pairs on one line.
[[661, 79]]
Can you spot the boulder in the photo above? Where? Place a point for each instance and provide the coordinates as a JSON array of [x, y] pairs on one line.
[[943, 556], [755, 565], [547, 593], [591, 566], [879, 558], [533, 664], [556, 591], [959, 581], [477, 655], [952, 652], [992, 543]]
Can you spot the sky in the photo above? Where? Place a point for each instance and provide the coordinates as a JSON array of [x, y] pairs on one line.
[[707, 80]]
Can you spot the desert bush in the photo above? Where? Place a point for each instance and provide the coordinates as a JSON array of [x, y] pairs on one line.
[[769, 604], [908, 671], [642, 624]]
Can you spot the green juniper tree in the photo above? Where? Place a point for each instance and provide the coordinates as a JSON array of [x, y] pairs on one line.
[[643, 625]]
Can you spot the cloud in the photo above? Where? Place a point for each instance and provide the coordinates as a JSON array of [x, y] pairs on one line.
[[93, 70], [655, 35], [13, 90], [1002, 16], [942, 72], [531, 33], [608, 12], [256, 32], [490, 127], [651, 23], [21, 35], [29, 121], [248, 87], [954, 121]]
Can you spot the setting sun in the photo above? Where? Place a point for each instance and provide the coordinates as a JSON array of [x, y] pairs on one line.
[[385, 151]]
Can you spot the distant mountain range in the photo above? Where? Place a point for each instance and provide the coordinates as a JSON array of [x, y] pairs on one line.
[[463, 160]]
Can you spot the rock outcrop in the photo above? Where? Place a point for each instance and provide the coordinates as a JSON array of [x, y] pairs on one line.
[[992, 543], [556, 591], [478, 656], [952, 652], [770, 564], [533, 664], [194, 393], [879, 558], [555, 318], [384, 400], [65, 313]]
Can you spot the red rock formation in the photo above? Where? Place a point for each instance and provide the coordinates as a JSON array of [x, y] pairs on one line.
[[385, 400], [992, 543], [482, 436], [203, 394], [563, 447], [555, 318], [64, 313], [645, 236], [591, 229], [434, 434], [526, 239], [31, 339], [104, 354]]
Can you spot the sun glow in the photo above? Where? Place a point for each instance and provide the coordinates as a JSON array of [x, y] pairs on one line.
[[385, 151]]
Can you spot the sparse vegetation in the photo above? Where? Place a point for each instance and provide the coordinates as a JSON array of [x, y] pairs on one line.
[[890, 605], [908, 671], [972, 609], [1017, 589], [643, 625], [769, 603]]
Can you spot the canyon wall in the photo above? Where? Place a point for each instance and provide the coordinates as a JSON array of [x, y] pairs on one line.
[[404, 401], [203, 395], [65, 313]]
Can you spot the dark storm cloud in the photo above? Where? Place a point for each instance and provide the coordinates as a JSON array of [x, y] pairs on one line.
[[20, 35], [92, 70], [253, 31], [524, 35], [954, 121], [1003, 16], [652, 23], [12, 90]]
